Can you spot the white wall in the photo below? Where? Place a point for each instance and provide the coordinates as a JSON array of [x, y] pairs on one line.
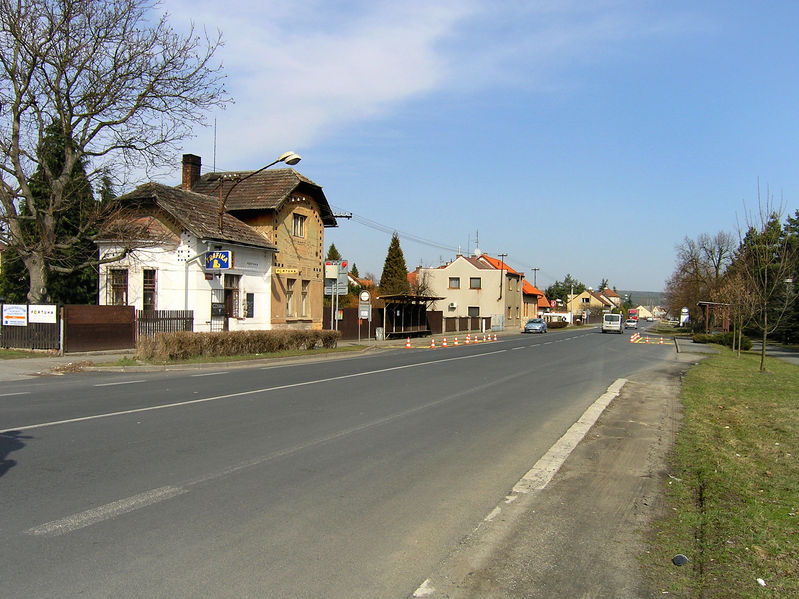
[[181, 280]]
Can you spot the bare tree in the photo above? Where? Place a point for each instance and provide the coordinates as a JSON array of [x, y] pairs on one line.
[[120, 83], [701, 264], [766, 262]]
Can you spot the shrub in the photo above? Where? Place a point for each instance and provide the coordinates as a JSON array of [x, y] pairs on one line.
[[726, 339], [185, 345], [557, 324]]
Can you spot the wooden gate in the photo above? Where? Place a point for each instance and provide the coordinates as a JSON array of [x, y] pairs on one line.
[[92, 328]]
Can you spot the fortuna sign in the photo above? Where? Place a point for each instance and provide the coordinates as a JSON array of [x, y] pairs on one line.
[[218, 260]]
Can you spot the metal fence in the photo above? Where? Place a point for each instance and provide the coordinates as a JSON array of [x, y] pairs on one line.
[[150, 322]]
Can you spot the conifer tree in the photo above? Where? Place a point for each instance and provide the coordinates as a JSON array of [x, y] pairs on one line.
[[333, 253], [395, 273]]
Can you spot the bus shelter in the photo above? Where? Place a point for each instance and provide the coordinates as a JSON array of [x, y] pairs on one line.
[[405, 315]]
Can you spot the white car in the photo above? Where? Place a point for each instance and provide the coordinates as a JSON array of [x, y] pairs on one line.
[[631, 323], [612, 323]]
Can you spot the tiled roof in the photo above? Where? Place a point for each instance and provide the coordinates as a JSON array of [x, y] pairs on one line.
[[267, 190], [498, 264], [197, 213], [607, 292], [477, 263]]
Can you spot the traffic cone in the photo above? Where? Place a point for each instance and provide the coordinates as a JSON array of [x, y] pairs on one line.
[[647, 338], [495, 336], [408, 343], [432, 342], [468, 339], [444, 343], [456, 341], [632, 338], [484, 337], [661, 341]]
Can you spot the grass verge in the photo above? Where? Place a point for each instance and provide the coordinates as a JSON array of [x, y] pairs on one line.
[[239, 358], [733, 492]]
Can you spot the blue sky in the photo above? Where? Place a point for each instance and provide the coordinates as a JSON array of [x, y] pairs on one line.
[[577, 137]]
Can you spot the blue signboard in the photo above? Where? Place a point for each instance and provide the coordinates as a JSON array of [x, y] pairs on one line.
[[218, 260]]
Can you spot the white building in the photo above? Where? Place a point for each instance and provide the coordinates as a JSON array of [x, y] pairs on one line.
[[188, 262]]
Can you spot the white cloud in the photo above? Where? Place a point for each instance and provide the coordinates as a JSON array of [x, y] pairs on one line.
[[301, 72]]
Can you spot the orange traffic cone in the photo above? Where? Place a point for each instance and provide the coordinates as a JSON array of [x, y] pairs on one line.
[[408, 343], [444, 343], [647, 338], [432, 342], [456, 341], [495, 336], [468, 339], [661, 341]]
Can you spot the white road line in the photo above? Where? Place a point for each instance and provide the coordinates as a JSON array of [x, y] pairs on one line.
[[12, 394], [243, 393], [141, 500], [541, 473], [211, 373], [104, 512], [119, 383]]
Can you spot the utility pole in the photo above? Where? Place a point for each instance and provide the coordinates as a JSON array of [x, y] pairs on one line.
[[501, 276], [535, 273]]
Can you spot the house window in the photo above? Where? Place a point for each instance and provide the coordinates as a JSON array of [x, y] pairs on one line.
[[298, 226], [474, 311], [249, 309], [304, 305], [454, 283], [118, 291], [585, 300], [475, 283], [290, 297], [148, 289]]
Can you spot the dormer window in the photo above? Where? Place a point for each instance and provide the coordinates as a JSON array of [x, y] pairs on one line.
[[298, 226]]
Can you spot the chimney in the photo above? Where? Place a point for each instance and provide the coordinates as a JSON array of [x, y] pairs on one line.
[[191, 171]]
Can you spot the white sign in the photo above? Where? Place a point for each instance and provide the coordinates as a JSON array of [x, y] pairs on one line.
[[15, 315], [42, 313]]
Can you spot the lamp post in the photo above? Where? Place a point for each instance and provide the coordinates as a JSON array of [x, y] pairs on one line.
[[289, 158]]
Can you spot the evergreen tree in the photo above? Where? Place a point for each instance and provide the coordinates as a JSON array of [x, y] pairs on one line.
[[333, 253], [354, 271], [561, 290], [65, 283], [395, 273]]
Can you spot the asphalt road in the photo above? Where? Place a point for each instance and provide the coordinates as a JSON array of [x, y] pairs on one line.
[[346, 478]]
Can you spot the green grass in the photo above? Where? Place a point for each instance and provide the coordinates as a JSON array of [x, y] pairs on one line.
[[14, 354], [733, 492]]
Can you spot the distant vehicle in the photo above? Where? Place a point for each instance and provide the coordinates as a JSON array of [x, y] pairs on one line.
[[631, 323], [612, 323], [632, 313], [535, 325], [650, 319]]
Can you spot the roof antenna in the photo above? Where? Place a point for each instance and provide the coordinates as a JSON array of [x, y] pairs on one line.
[[214, 144]]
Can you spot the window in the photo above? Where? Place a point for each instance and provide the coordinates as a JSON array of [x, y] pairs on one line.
[[585, 300], [148, 287], [475, 283], [298, 228], [290, 297], [305, 285], [249, 310], [454, 283], [118, 291], [474, 311]]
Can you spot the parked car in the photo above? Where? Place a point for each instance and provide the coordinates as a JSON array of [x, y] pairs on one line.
[[612, 323], [535, 325], [631, 323]]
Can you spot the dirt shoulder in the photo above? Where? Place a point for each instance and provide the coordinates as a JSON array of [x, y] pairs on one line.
[[583, 535]]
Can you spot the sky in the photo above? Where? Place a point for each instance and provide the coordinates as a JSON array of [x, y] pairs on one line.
[[581, 138]]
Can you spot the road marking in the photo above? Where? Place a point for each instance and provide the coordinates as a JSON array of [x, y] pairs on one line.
[[211, 373], [244, 393], [515, 348], [119, 383], [142, 500], [541, 473], [104, 512], [18, 393]]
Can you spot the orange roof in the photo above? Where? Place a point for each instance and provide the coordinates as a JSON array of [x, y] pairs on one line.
[[498, 264]]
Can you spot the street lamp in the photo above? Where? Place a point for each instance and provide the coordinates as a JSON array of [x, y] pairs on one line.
[[290, 158]]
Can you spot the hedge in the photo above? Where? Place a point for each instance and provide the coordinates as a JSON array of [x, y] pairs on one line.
[[722, 339], [186, 345]]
